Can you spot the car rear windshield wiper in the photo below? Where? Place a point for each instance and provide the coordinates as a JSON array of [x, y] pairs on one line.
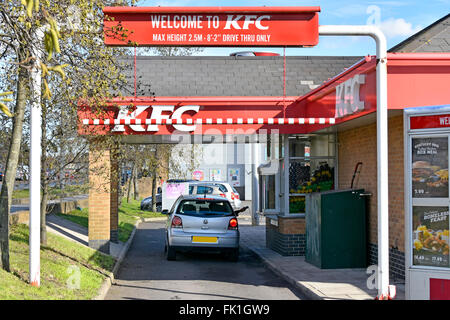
[[216, 213]]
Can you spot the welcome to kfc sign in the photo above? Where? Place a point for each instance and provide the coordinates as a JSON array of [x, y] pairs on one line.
[[212, 26]]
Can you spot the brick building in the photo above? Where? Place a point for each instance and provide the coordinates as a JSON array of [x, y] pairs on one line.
[[412, 82], [417, 76]]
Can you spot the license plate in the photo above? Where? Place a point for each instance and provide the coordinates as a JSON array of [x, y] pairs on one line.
[[205, 239]]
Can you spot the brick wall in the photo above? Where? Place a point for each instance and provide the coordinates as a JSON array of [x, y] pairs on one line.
[[396, 262], [99, 198], [360, 145], [288, 238], [291, 225]]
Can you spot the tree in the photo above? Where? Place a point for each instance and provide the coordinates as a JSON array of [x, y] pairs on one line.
[[184, 159], [85, 68]]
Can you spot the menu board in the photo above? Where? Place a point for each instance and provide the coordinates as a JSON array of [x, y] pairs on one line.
[[430, 167], [431, 236], [430, 215]]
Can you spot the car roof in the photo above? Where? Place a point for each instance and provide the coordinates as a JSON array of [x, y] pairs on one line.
[[209, 182], [202, 197]]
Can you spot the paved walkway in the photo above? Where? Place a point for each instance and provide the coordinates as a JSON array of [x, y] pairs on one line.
[[316, 283], [25, 205], [77, 233]]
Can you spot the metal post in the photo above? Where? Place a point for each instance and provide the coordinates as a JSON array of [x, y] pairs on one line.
[[35, 166], [382, 142], [255, 182], [287, 165]]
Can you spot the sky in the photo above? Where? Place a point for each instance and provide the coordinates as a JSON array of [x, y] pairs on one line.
[[398, 19]]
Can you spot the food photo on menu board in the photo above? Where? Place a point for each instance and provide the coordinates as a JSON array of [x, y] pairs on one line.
[[430, 236], [430, 168]]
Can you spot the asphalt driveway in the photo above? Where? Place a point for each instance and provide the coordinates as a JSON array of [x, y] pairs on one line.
[[146, 274]]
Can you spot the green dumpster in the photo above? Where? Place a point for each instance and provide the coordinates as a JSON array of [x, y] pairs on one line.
[[336, 229]]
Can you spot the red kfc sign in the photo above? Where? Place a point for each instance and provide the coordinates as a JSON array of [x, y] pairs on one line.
[[210, 26]]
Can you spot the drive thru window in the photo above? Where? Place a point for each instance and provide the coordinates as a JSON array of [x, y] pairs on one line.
[[311, 167], [308, 161]]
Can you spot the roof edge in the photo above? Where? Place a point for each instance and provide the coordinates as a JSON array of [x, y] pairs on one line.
[[414, 37], [219, 9]]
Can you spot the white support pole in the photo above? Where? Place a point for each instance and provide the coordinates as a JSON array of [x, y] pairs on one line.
[[35, 167], [382, 142]]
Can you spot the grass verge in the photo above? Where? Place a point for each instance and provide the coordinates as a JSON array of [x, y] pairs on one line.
[[55, 193], [129, 214], [63, 263]]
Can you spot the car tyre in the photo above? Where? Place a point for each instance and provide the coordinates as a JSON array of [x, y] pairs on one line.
[[171, 254]]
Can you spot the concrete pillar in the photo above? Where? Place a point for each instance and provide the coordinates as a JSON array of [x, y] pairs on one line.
[[99, 198]]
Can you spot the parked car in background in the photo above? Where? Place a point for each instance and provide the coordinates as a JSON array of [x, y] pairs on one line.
[[181, 180], [199, 222], [147, 203], [223, 189]]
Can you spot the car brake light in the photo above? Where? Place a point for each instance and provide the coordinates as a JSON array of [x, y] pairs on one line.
[[223, 195], [177, 222], [233, 224], [232, 196], [236, 195]]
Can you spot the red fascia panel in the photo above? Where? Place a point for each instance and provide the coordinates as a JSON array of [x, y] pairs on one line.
[[417, 80], [209, 108], [115, 10], [321, 102], [333, 80], [419, 56], [414, 80]]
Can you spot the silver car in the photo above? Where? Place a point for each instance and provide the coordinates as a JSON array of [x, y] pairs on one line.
[[199, 222], [223, 189]]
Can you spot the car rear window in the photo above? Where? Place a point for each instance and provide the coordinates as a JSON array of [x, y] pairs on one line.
[[223, 188], [204, 190], [200, 207]]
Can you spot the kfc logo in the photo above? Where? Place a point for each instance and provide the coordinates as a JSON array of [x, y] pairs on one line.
[[156, 113], [347, 97], [233, 21]]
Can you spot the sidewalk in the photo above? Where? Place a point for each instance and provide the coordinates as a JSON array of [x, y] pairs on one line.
[[315, 283], [77, 233]]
